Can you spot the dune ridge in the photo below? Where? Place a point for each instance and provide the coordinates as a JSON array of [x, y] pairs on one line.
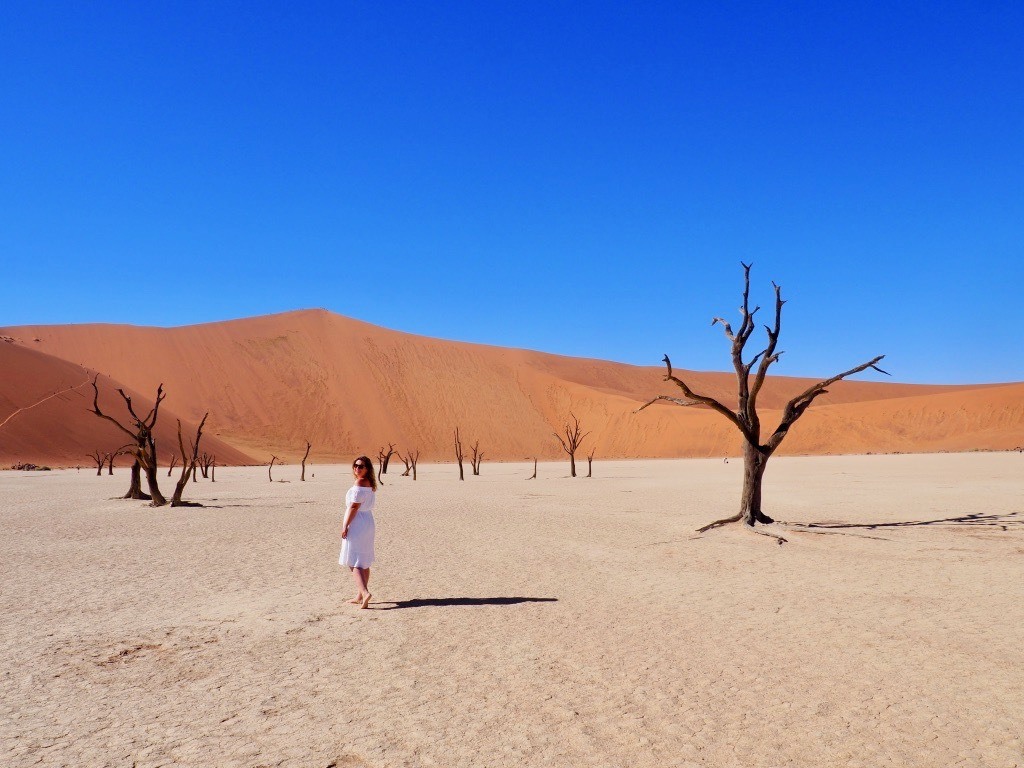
[[45, 408], [274, 381]]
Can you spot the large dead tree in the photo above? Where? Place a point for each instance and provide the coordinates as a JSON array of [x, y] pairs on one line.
[[477, 457], [143, 446], [458, 454], [309, 445], [189, 459], [573, 437], [745, 418]]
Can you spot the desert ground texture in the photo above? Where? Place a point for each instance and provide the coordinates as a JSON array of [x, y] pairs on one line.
[[515, 622]]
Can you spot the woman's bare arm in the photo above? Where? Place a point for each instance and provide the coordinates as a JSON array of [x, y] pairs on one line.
[[350, 515]]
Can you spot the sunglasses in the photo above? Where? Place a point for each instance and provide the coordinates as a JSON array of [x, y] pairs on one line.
[[358, 466]]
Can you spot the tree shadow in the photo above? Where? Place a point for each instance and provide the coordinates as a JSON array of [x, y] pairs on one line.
[[1003, 521], [441, 602]]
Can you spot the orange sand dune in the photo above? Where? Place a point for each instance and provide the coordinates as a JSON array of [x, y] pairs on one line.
[[272, 382], [45, 414]]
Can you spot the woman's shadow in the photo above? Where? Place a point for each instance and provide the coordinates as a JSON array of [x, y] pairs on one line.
[[429, 602]]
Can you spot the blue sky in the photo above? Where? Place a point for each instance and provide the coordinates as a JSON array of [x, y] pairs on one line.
[[579, 178]]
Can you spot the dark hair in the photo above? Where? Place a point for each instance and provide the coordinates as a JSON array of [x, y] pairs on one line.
[[369, 470]]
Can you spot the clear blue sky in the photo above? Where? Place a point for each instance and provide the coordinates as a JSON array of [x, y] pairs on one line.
[[579, 178]]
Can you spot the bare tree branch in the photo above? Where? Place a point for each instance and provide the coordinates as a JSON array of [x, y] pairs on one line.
[[668, 398], [795, 408], [708, 401]]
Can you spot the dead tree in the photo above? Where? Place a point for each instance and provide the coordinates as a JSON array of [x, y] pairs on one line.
[[213, 469], [380, 466], [111, 456], [143, 446], [414, 457], [204, 463], [385, 458], [303, 478], [573, 437], [170, 467], [100, 459], [270, 469], [189, 460], [477, 458], [590, 461], [459, 454], [408, 466], [745, 418], [534, 475]]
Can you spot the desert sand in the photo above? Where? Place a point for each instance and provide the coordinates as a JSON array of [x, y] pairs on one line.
[[271, 383], [559, 621]]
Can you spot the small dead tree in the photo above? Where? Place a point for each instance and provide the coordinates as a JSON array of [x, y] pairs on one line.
[[111, 456], [534, 475], [385, 458], [380, 466], [100, 459], [204, 464], [170, 467], [590, 462], [573, 437], [143, 446], [476, 458], [459, 454], [270, 469], [745, 418], [189, 459], [408, 466], [414, 457], [213, 470], [309, 445]]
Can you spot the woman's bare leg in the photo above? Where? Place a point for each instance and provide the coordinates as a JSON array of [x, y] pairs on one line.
[[365, 574], [361, 591]]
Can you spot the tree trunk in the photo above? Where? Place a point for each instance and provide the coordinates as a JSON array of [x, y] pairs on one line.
[[135, 488], [158, 499], [572, 465], [755, 461], [309, 445]]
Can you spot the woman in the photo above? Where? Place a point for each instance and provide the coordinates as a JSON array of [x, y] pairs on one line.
[[357, 529]]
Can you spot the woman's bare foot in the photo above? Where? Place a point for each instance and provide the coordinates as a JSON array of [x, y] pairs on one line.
[[357, 600], [366, 600]]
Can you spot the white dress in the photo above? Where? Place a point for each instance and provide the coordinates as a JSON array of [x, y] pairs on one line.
[[357, 547]]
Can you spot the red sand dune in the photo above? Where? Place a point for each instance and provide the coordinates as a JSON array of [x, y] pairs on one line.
[[272, 382], [46, 418]]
